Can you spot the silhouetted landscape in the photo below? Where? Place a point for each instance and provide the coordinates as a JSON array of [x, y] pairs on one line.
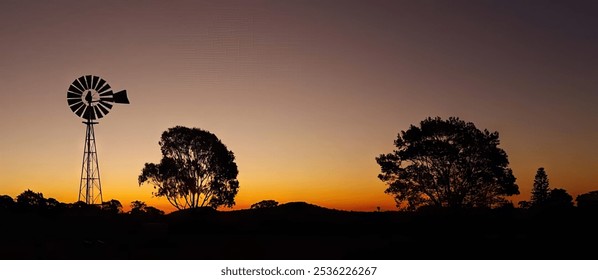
[[299, 130], [449, 180], [297, 230]]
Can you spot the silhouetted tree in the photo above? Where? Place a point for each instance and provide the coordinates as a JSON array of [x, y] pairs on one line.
[[265, 204], [6, 202], [447, 163], [559, 198], [540, 190], [587, 200], [524, 204], [82, 208], [137, 207], [153, 211], [140, 208], [112, 206], [196, 170], [31, 199], [53, 204]]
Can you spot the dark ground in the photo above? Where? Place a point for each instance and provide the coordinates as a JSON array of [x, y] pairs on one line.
[[301, 231]]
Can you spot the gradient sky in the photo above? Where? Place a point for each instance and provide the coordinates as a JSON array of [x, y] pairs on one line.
[[305, 93]]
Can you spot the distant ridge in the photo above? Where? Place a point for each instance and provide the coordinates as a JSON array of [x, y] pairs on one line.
[[294, 206], [303, 206]]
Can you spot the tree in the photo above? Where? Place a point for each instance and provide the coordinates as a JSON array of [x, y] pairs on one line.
[[524, 204], [6, 202], [447, 163], [53, 204], [138, 207], [153, 211], [540, 190], [196, 170], [559, 198], [587, 200], [265, 204], [31, 199], [112, 206]]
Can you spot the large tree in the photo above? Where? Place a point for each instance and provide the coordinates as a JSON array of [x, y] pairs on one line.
[[196, 170], [447, 163], [541, 188], [31, 199]]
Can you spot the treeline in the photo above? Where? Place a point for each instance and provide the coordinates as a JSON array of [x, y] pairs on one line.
[[30, 201], [543, 196]]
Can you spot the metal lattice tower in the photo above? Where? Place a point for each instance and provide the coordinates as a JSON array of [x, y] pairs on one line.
[[91, 98], [90, 188]]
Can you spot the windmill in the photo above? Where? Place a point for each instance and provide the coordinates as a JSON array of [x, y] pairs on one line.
[[91, 98]]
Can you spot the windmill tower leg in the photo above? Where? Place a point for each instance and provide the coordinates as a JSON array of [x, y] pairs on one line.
[[90, 187]]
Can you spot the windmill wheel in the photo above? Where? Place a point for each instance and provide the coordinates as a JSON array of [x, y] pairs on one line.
[[91, 97]]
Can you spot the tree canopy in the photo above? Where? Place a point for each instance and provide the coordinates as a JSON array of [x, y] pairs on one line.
[[196, 170], [588, 200], [112, 206], [269, 203], [29, 199], [447, 163], [6, 202], [559, 198], [140, 208]]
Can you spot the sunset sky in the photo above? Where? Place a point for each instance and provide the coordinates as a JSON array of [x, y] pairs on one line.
[[305, 93]]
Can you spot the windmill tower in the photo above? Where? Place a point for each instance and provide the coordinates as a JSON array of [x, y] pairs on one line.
[[91, 98]]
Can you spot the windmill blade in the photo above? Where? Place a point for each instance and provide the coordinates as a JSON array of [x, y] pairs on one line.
[[104, 109], [108, 105], [75, 90], [88, 81], [89, 113], [71, 94], [107, 99], [98, 112], [71, 102], [121, 97], [107, 93], [77, 86], [76, 106], [80, 111], [107, 96], [94, 81], [80, 83], [99, 85], [106, 87]]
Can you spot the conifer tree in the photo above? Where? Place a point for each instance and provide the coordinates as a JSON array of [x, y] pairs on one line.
[[541, 189]]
